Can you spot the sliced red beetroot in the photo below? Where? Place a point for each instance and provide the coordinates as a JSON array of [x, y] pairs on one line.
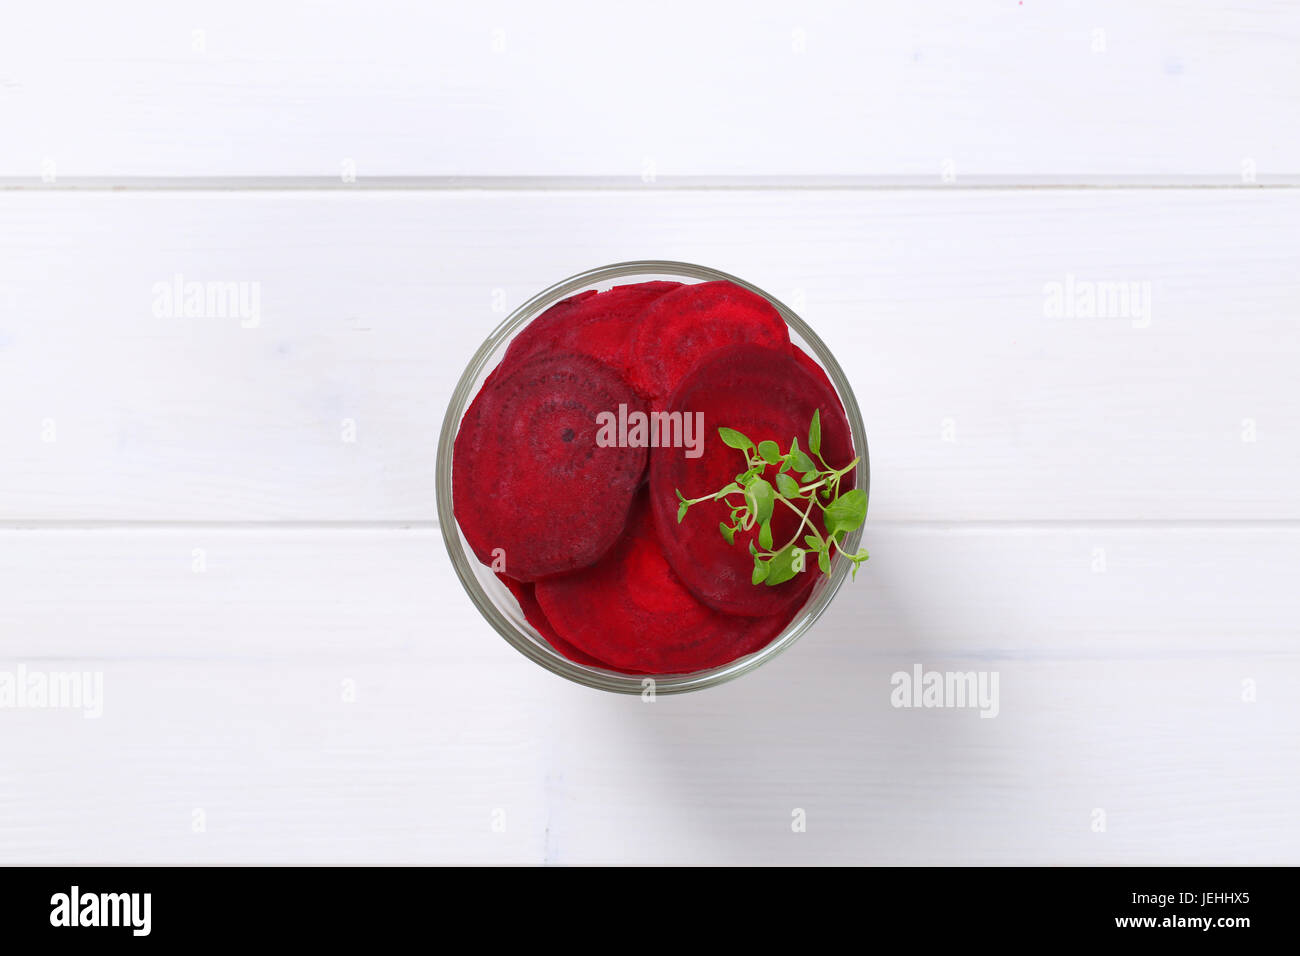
[[601, 325], [631, 610], [765, 394], [681, 328], [534, 615], [528, 477], [811, 364]]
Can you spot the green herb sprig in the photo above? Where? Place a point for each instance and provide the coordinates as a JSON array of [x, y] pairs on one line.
[[800, 485]]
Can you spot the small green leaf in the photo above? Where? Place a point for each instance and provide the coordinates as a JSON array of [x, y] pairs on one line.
[[733, 487], [734, 439], [760, 497], [795, 476], [781, 567], [847, 512]]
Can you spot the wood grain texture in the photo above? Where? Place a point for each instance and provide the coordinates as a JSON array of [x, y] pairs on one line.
[[1101, 511], [1078, 91], [262, 596], [223, 692], [978, 404]]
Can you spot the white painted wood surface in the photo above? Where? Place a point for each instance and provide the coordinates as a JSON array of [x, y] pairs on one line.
[[223, 692], [371, 306], [1101, 510], [822, 88]]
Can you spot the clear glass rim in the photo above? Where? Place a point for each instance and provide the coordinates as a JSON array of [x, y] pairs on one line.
[[463, 563]]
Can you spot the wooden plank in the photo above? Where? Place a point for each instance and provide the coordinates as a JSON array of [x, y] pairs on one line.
[[1051, 593], [224, 692], [981, 402], [729, 89], [416, 771]]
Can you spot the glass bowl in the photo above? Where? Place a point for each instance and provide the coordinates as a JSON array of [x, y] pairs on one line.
[[492, 598]]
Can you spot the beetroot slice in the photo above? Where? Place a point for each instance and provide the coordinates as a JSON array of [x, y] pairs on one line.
[[601, 325], [527, 474], [811, 364], [767, 395], [631, 610], [534, 615], [683, 327]]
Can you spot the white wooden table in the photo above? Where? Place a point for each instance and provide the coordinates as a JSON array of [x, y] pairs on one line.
[[1103, 510]]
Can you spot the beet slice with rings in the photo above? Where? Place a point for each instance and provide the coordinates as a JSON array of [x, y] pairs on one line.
[[530, 484], [767, 394], [599, 324], [631, 610], [686, 325], [534, 615]]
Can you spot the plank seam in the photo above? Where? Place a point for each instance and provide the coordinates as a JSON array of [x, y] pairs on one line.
[[632, 184]]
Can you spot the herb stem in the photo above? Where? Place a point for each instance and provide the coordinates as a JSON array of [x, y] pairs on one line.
[[803, 515], [758, 495], [833, 476]]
